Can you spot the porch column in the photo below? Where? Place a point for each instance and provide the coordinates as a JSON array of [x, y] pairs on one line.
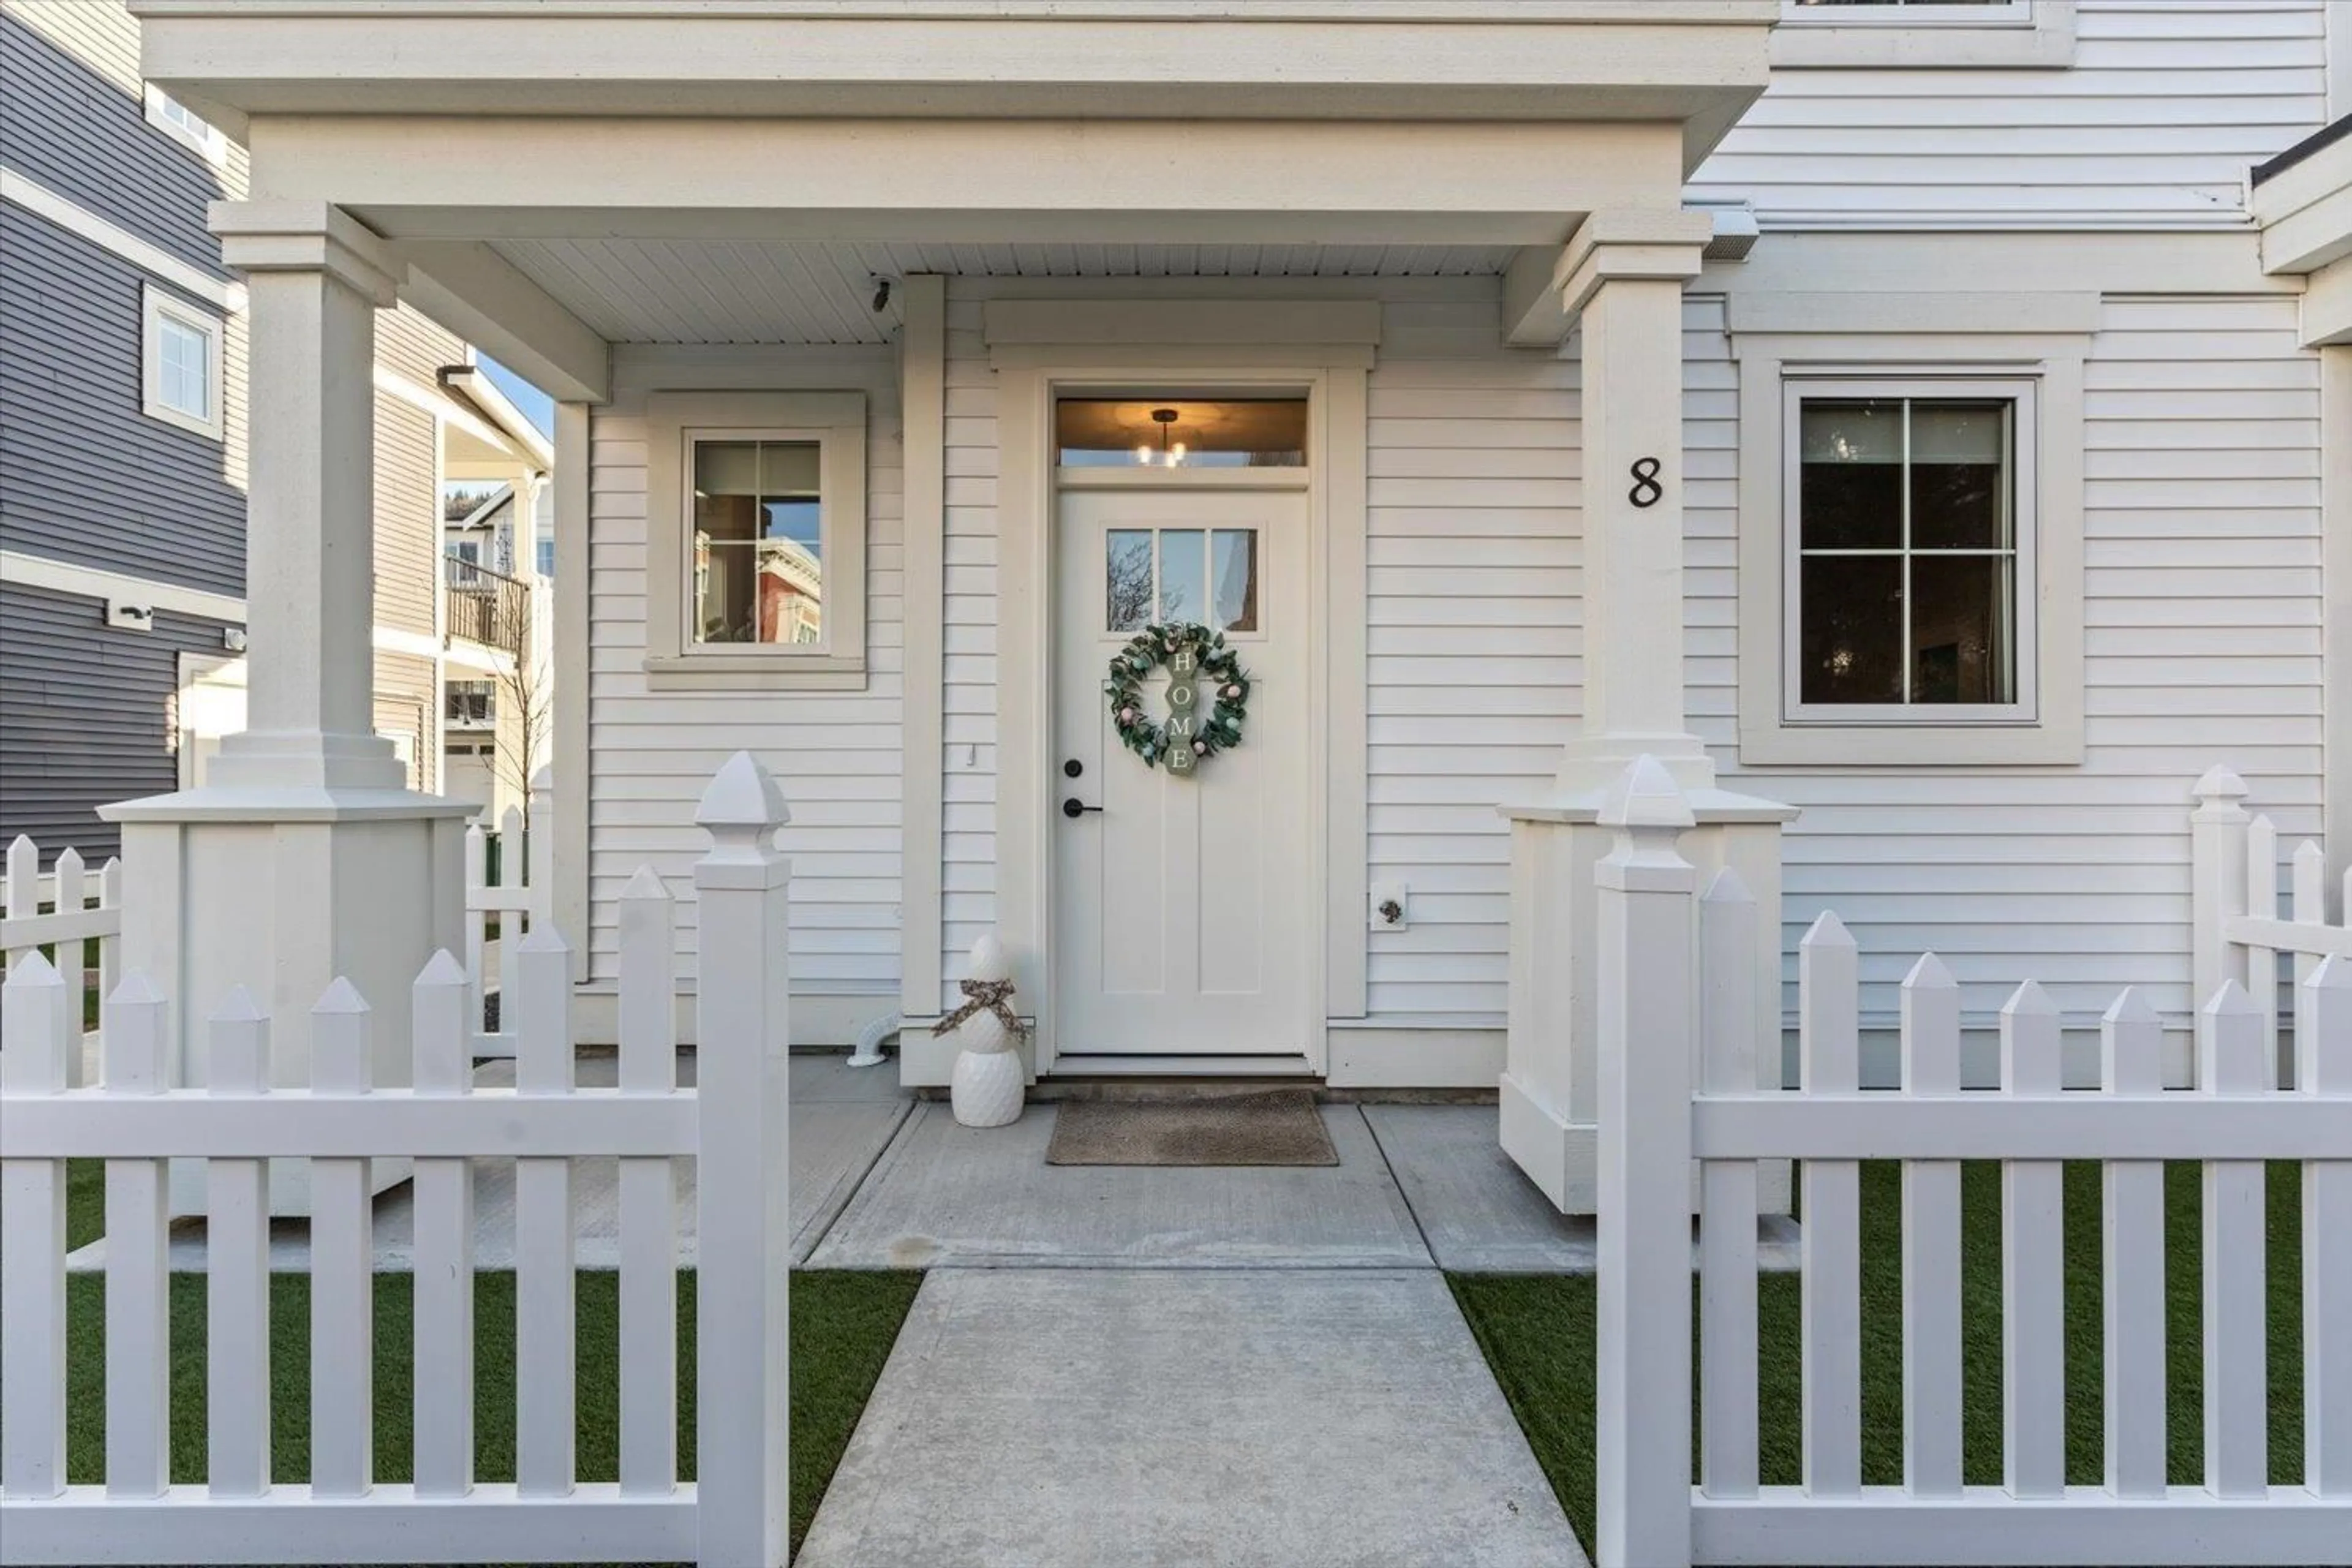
[[1620, 277], [303, 855]]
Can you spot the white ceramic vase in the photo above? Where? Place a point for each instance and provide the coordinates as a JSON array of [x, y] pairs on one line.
[[988, 1087]]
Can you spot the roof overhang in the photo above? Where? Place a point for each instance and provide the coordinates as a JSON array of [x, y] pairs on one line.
[[1696, 63], [2302, 200]]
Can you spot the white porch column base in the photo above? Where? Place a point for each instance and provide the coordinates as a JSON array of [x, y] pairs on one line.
[[1550, 1084], [282, 891]]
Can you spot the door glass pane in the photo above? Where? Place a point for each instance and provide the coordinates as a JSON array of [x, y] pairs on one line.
[[1183, 574], [1851, 483], [1232, 567], [1962, 647], [1187, 432], [1851, 649], [758, 542], [1128, 589], [1959, 484]]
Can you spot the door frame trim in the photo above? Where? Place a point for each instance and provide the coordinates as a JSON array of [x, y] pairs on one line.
[[1334, 379]]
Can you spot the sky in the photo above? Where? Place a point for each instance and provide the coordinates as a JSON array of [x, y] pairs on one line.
[[536, 405]]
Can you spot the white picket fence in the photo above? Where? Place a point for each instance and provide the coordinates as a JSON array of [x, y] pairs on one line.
[[2241, 932], [1673, 977], [733, 1515], [519, 893], [83, 918]]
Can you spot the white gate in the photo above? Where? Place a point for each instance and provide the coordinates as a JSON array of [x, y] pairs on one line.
[[1667, 954], [734, 1514]]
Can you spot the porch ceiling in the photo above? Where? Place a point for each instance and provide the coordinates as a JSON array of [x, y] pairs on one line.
[[662, 292]]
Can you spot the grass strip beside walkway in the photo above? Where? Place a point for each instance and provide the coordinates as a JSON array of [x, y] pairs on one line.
[[842, 1326], [1538, 1335]]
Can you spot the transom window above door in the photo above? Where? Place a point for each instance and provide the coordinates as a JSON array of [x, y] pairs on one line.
[[1182, 433]]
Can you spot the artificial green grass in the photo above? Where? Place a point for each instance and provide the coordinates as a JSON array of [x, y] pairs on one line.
[[85, 1202], [842, 1325], [1538, 1334]]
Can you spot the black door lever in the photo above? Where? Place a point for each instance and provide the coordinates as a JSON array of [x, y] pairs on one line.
[[1074, 807]]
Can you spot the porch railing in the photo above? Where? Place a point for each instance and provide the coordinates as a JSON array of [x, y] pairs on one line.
[[485, 607]]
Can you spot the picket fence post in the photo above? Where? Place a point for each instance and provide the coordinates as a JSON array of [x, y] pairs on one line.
[[742, 991], [1647, 1036], [36, 1035], [2325, 1068], [2217, 854]]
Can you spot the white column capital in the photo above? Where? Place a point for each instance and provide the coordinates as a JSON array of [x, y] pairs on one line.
[[307, 236], [1667, 246]]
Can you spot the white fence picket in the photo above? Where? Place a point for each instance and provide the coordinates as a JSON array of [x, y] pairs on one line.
[[342, 1263], [2131, 1050], [442, 1039], [1828, 1047], [2325, 1070], [35, 1038], [2032, 1266], [137, 1242], [2307, 905], [1931, 1243], [648, 1196], [1729, 1064], [2232, 1064], [544, 1422], [236, 1268], [2262, 904], [69, 895], [80, 935]]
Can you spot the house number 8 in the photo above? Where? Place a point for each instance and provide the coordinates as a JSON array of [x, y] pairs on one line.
[[1646, 491]]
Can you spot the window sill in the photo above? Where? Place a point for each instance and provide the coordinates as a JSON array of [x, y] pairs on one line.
[[755, 672], [1903, 745], [1889, 42]]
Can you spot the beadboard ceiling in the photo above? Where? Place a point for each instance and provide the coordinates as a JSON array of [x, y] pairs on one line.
[[645, 290]]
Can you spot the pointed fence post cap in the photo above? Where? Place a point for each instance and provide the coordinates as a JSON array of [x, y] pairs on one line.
[[32, 969], [2130, 1006], [645, 883], [544, 779], [1726, 887], [1645, 795], [136, 989], [1930, 973], [2333, 973], [441, 969], [742, 801], [340, 996], [2232, 997], [1827, 930], [2029, 1000], [238, 1007]]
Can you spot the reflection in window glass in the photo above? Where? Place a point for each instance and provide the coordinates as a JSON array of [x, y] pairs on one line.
[[1183, 574], [1907, 547], [1232, 567], [1128, 590], [758, 542], [1182, 433]]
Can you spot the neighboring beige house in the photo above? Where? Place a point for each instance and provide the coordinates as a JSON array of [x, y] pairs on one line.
[[1893, 417]]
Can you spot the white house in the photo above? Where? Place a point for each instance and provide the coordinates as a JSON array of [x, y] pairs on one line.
[[1896, 418]]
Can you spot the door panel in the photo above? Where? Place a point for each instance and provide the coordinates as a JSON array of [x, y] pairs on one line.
[[1183, 907]]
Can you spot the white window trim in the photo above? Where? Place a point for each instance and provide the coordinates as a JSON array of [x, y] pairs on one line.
[[159, 305], [1798, 388], [2028, 34], [212, 146], [835, 421], [1855, 339]]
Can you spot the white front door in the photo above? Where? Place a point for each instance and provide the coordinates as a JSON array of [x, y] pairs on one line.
[[1184, 919]]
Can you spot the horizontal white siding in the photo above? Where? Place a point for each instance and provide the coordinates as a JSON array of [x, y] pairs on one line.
[[1475, 633], [2167, 105], [836, 754], [968, 723], [2202, 604]]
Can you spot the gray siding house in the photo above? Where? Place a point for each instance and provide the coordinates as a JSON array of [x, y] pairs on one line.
[[122, 446]]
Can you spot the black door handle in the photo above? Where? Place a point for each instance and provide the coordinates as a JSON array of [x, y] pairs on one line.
[[1074, 807]]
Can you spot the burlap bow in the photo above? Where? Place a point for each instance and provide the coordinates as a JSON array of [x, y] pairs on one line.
[[990, 996]]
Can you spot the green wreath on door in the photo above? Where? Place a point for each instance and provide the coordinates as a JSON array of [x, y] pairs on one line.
[[1207, 695]]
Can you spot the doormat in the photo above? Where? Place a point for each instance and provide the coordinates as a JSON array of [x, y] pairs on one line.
[[1276, 1127]]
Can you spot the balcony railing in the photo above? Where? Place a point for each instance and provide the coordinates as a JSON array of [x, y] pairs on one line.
[[485, 607]]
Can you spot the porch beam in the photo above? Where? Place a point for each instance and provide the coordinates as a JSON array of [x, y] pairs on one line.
[[1546, 288], [946, 181], [484, 298]]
